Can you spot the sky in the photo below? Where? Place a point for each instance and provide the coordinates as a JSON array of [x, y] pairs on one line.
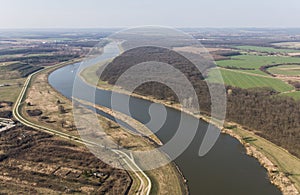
[[129, 13]]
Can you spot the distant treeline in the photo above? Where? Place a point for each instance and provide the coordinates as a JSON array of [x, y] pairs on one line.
[[45, 59], [23, 69], [227, 53], [27, 51], [91, 43], [275, 118], [266, 67], [237, 68]]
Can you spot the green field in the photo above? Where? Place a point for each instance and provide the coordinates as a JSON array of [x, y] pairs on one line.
[[90, 76], [295, 95], [288, 70], [254, 61], [243, 80], [11, 93], [267, 49], [256, 72]]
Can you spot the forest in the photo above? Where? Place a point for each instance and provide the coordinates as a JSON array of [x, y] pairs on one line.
[[276, 118]]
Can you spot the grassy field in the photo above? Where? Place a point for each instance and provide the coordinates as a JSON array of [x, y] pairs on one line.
[[288, 70], [90, 76], [240, 79], [11, 93], [42, 97], [295, 95], [256, 72], [267, 49], [90, 73], [286, 162], [254, 61]]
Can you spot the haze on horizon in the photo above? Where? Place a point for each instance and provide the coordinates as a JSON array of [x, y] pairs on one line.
[[121, 13]]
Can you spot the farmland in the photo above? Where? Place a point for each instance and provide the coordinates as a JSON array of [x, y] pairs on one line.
[[267, 49], [295, 95], [255, 61], [244, 71], [288, 70], [244, 80]]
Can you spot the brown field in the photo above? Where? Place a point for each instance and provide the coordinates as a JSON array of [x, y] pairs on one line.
[[294, 54], [199, 50]]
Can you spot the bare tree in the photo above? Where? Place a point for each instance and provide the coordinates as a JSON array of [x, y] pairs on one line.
[[62, 122], [61, 109]]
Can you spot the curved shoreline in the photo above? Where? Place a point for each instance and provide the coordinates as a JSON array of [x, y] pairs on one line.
[[277, 178], [132, 165], [154, 137], [179, 174]]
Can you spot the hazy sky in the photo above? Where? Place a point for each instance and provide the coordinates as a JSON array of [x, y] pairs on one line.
[[124, 13]]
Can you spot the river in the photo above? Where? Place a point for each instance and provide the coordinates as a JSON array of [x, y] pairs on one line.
[[226, 169]]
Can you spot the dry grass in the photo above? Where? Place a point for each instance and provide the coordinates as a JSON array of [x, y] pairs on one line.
[[41, 96], [175, 185], [286, 162], [90, 76], [11, 93]]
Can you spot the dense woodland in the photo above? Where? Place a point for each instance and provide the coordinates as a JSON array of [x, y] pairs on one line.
[[271, 116], [276, 118]]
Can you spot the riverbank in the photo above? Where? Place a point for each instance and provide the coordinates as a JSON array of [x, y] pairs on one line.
[[173, 181], [273, 158], [47, 97], [279, 163], [140, 129]]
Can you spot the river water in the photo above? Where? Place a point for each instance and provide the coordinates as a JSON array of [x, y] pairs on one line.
[[226, 169]]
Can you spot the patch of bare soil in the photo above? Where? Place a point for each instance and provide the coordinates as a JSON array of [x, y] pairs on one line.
[[294, 54], [288, 78]]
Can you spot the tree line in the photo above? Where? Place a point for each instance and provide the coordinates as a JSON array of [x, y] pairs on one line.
[[273, 117]]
